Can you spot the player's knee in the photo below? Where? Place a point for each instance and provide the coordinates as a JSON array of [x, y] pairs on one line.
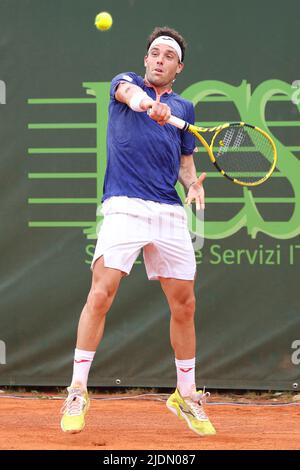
[[185, 309], [98, 300]]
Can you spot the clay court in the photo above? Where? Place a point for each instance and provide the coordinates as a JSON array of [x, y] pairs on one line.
[[145, 423]]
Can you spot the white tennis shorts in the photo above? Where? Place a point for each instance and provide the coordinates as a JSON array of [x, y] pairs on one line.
[[132, 224]]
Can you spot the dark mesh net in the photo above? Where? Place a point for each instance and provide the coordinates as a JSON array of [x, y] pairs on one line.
[[243, 153]]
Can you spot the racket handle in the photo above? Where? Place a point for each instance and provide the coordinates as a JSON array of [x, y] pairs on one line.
[[177, 122]]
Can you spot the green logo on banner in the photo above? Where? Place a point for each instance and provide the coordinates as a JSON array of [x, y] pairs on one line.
[[249, 207], [2, 92]]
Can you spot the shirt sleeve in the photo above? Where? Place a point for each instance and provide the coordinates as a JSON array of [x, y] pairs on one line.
[[188, 139], [129, 77]]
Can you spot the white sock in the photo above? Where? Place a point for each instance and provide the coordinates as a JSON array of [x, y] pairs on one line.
[[82, 363], [185, 376]]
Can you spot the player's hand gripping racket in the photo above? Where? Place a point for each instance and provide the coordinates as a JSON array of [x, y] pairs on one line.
[[242, 153]]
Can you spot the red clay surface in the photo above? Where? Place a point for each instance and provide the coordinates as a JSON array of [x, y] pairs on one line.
[[143, 424]]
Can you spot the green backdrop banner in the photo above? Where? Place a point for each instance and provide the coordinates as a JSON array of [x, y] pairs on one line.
[[242, 63]]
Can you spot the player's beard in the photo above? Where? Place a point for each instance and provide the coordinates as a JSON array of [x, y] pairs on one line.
[[159, 81]]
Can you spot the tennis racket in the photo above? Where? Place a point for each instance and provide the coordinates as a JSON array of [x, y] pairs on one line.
[[244, 154]]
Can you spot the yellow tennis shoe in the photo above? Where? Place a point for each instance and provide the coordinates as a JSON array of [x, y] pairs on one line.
[[191, 410], [74, 410]]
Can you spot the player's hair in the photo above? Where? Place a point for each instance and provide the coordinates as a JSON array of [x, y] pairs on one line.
[[166, 31]]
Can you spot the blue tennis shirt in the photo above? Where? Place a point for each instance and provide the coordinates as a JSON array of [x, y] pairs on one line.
[[143, 158]]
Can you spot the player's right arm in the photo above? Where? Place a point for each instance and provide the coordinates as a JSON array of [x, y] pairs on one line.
[[138, 100], [127, 91]]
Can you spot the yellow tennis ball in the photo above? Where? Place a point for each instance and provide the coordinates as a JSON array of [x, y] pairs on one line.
[[103, 21]]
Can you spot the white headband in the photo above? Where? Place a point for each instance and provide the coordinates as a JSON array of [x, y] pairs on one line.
[[167, 41]]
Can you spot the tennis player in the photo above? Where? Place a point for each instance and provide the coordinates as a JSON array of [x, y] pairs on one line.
[[142, 210]]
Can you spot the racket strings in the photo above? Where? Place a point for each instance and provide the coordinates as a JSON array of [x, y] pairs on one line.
[[243, 153]]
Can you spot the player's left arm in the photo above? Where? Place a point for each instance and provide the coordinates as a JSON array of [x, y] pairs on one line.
[[194, 185]]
